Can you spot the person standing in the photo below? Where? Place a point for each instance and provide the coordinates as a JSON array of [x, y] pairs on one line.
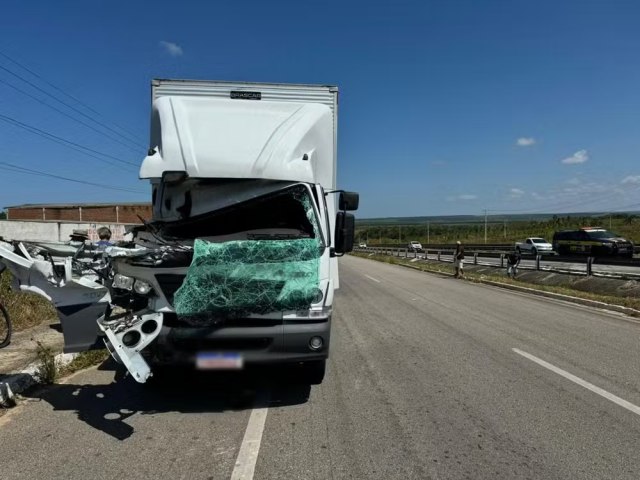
[[104, 233], [513, 260], [458, 260]]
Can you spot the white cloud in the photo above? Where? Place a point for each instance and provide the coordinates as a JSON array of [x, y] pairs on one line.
[[464, 197], [516, 193], [574, 181], [580, 156], [631, 180], [525, 141], [171, 48]]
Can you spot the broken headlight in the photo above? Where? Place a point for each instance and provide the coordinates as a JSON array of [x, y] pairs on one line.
[[141, 287], [123, 282]]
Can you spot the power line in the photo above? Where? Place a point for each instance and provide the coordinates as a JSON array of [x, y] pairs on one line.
[[33, 85], [75, 99], [17, 169], [63, 141], [39, 100]]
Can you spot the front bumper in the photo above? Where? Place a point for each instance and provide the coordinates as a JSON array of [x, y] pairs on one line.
[[277, 342]]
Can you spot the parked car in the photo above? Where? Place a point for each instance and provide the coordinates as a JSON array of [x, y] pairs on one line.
[[592, 241], [415, 247], [362, 245], [535, 246]]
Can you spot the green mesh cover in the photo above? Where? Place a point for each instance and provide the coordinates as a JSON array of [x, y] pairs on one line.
[[249, 276]]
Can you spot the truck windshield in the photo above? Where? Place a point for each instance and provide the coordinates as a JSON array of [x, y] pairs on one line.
[[285, 214], [538, 240]]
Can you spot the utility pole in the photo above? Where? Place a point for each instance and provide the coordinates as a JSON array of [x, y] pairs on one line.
[[428, 242], [505, 229], [399, 234], [609, 221], [485, 226]]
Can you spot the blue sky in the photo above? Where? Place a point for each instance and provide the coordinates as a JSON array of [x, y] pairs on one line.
[[446, 107]]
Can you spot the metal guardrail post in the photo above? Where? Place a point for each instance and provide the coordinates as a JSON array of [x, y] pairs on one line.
[[438, 255], [538, 261], [502, 260], [590, 266], [406, 253], [475, 258]]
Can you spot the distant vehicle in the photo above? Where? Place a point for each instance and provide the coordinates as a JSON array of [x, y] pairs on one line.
[[592, 241], [362, 245], [415, 247], [535, 246]]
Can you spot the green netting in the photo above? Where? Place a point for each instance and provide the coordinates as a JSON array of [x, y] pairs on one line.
[[249, 276]]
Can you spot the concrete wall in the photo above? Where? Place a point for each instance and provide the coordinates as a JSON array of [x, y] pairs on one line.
[[54, 231]]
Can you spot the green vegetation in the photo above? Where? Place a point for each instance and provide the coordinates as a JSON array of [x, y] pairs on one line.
[[3, 215], [84, 360], [504, 229], [26, 309], [47, 371], [447, 269]]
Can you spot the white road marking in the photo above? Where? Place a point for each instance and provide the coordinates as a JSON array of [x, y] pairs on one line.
[[250, 447], [583, 383], [371, 278]]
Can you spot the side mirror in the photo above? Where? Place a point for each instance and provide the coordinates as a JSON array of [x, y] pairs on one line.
[[345, 232], [349, 201]]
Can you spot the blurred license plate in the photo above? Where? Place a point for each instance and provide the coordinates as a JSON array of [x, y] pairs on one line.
[[218, 361]]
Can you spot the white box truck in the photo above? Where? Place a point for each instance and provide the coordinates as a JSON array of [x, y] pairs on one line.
[[238, 265]]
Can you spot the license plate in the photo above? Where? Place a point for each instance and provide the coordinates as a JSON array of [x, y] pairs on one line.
[[218, 361]]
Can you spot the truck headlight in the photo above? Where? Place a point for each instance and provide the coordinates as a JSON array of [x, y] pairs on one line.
[[141, 287], [122, 282]]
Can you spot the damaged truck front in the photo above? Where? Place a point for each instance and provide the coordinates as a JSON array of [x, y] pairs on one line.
[[239, 264]]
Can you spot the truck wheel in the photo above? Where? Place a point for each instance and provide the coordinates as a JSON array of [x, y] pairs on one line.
[[313, 372]]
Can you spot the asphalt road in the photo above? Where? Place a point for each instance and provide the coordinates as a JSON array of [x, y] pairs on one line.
[[423, 382]]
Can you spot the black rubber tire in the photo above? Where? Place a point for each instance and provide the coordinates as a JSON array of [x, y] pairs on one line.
[[7, 327]]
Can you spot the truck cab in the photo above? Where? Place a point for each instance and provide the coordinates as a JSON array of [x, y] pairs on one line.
[[245, 213]]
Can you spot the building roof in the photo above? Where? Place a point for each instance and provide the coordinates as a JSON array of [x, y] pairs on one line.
[[83, 205]]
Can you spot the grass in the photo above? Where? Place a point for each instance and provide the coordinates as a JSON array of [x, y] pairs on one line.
[[629, 302], [84, 360], [47, 371], [25, 309]]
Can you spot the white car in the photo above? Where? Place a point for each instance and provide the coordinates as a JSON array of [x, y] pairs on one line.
[[362, 245], [415, 247], [534, 246]]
